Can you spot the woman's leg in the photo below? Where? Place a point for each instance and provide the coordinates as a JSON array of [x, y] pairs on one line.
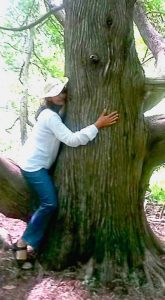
[[43, 185]]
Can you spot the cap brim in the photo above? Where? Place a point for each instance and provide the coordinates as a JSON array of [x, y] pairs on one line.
[[56, 90]]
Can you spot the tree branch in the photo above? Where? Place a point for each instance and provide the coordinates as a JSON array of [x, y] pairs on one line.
[[143, 62], [29, 123], [11, 127], [155, 92], [155, 154], [151, 37], [38, 58], [14, 192], [40, 20], [21, 72], [60, 15], [40, 69], [22, 51], [156, 126]]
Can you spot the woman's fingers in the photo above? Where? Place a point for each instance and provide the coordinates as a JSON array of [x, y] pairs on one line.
[[113, 117], [107, 119], [104, 112], [113, 114]]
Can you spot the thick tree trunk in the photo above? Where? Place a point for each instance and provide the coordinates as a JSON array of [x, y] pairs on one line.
[[101, 200]]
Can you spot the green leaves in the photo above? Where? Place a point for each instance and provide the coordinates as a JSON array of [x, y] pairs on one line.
[[158, 193], [48, 54], [156, 14]]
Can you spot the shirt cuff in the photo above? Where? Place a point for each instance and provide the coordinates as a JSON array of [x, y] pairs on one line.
[[92, 132]]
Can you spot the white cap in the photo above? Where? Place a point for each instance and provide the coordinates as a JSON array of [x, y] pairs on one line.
[[54, 87]]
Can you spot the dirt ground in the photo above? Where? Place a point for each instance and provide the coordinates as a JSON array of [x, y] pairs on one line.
[[39, 284]]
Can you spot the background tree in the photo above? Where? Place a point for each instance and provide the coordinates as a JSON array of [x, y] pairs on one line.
[[153, 39], [28, 53], [101, 217]]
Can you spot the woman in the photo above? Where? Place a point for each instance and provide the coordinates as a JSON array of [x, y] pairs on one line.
[[38, 154]]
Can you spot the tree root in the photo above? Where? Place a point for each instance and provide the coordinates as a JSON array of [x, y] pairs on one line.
[[154, 272], [147, 280]]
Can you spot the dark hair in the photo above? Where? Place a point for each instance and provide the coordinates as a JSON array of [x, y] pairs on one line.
[[64, 90], [47, 104]]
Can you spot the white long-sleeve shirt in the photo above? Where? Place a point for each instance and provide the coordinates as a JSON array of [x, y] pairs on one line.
[[41, 148]]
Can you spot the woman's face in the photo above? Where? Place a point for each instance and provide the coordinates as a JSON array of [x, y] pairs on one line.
[[60, 99]]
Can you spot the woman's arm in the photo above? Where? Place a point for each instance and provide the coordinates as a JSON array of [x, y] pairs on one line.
[[82, 137]]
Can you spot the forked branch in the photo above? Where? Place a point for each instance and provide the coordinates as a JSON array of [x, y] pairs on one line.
[[33, 24]]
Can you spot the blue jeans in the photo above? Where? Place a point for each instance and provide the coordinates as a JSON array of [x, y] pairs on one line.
[[42, 183]]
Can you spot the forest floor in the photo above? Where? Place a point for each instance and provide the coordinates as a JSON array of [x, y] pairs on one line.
[[39, 284]]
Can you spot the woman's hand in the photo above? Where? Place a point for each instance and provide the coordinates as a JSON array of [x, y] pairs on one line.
[[106, 120]]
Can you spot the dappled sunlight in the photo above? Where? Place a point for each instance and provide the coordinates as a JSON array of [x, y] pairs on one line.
[[14, 227], [155, 214], [158, 177], [39, 284], [59, 289], [154, 204]]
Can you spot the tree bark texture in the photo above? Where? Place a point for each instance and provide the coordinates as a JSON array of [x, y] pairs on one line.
[[101, 197], [14, 192]]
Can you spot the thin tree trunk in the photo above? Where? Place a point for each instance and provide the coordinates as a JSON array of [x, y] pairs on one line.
[[24, 98], [154, 41]]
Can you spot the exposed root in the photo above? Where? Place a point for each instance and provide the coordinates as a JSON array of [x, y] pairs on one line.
[[148, 280], [154, 272]]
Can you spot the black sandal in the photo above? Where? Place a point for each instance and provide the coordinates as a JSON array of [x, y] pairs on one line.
[[16, 248]]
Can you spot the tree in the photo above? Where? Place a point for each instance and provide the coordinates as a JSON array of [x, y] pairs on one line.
[[25, 54], [154, 41], [102, 186]]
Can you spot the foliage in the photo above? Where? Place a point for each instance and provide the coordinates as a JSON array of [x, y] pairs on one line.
[[157, 185], [48, 39], [158, 193], [48, 50], [155, 10], [156, 14]]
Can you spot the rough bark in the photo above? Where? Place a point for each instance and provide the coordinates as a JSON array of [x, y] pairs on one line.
[[100, 193], [14, 193]]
